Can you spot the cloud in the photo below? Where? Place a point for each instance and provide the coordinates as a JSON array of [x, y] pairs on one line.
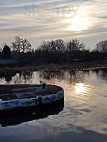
[[43, 21]]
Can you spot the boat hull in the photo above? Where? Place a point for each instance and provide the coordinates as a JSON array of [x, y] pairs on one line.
[[38, 101]]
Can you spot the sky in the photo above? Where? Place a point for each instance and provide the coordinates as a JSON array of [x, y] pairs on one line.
[[43, 20]]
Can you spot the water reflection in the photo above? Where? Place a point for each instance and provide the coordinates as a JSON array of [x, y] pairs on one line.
[[69, 75], [84, 117], [23, 77], [16, 78], [102, 73], [80, 88], [7, 77], [14, 118]]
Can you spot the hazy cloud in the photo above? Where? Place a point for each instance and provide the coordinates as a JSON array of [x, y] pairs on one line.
[[48, 19]]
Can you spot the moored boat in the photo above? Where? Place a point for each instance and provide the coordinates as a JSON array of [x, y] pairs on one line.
[[15, 97]]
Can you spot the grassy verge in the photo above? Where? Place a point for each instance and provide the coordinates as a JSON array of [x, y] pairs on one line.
[[54, 67]]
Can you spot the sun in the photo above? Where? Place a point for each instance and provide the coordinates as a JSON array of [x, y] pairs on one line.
[[80, 22]]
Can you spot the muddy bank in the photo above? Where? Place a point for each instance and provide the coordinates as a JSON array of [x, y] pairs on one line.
[[54, 67]]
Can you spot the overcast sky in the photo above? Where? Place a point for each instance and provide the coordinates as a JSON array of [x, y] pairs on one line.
[[39, 20]]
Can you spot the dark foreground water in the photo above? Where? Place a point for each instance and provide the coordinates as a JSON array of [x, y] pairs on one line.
[[83, 118]]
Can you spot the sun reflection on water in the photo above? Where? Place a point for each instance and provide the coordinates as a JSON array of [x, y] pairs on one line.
[[80, 88]]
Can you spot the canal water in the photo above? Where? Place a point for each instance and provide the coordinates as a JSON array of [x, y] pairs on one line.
[[83, 118]]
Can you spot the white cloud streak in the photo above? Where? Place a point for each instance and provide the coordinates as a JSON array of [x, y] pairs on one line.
[[48, 19]]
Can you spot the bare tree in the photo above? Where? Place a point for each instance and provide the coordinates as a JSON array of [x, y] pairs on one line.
[[54, 45], [21, 45], [60, 45], [45, 46], [74, 45], [102, 46]]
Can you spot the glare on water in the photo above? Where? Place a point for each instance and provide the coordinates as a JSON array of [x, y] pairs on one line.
[[84, 114], [80, 88]]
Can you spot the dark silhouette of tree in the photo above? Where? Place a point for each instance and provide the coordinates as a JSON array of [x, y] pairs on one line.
[[60, 45], [6, 53], [44, 46], [74, 45], [21, 45], [102, 46], [55, 51], [0, 54], [52, 46]]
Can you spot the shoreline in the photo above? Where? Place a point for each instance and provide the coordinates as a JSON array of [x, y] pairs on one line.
[[54, 67]]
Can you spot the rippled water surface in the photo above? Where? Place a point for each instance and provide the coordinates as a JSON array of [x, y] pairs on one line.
[[82, 119]]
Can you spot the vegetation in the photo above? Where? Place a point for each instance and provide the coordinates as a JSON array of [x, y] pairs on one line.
[[6, 53], [21, 45], [57, 52], [102, 46]]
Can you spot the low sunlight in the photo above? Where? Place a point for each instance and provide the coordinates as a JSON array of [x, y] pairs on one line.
[[80, 22]]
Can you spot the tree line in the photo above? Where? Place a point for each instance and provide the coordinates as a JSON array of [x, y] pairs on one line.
[[55, 51]]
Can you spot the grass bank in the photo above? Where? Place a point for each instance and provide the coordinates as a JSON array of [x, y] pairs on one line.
[[54, 67]]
